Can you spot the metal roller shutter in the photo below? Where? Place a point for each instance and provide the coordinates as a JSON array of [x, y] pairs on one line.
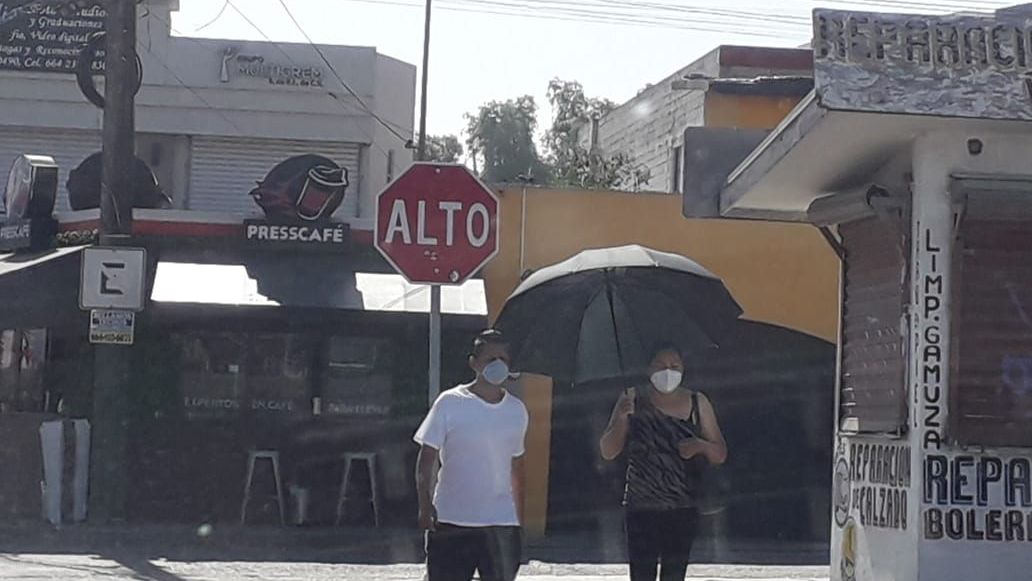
[[223, 170], [67, 147], [873, 396], [991, 396], [991, 328]]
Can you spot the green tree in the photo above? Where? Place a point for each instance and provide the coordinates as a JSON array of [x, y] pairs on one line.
[[444, 148], [572, 163], [500, 137]]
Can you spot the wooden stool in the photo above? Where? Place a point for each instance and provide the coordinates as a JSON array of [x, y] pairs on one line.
[[370, 461], [273, 457]]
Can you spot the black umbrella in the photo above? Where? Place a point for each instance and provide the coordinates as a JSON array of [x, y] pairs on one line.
[[595, 316]]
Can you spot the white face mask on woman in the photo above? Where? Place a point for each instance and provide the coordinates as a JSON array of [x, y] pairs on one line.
[[495, 372], [666, 380]]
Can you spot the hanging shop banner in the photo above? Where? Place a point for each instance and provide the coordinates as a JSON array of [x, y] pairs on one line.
[[112, 327], [47, 35], [958, 65]]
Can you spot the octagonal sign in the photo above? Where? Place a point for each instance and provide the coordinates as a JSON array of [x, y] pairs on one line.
[[437, 223]]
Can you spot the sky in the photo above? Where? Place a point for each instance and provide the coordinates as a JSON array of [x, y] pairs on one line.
[[483, 50]]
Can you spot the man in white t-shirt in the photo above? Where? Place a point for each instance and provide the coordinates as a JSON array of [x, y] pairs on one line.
[[477, 432]]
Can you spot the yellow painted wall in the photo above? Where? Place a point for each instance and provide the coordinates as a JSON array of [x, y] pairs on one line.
[[746, 111], [780, 273], [537, 395], [783, 274]]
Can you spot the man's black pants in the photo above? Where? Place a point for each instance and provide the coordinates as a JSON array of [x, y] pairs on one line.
[[453, 553]]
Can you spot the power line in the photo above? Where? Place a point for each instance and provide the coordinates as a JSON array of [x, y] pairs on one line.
[[658, 14], [279, 47], [622, 8], [641, 19], [629, 15], [340, 79], [372, 141], [582, 17], [944, 6], [218, 17], [195, 93]]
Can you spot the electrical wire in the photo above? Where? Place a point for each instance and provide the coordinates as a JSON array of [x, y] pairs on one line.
[[940, 7], [290, 58], [193, 91], [218, 17], [628, 8], [340, 78], [658, 14], [579, 17], [179, 34], [524, 10]]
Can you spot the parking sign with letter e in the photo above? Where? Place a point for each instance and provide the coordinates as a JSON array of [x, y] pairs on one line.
[[113, 278]]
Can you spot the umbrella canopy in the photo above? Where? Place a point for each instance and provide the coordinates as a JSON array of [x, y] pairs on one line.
[[596, 315]]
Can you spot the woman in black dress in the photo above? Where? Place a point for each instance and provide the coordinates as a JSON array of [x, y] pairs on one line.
[[670, 435]]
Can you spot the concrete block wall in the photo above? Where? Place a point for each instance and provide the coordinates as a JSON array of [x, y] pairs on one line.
[[650, 126]]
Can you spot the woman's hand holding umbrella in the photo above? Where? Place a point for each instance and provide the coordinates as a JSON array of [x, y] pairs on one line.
[[615, 436], [625, 405]]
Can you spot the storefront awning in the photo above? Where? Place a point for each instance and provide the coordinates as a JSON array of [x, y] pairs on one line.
[[301, 284], [40, 289], [878, 85], [818, 152]]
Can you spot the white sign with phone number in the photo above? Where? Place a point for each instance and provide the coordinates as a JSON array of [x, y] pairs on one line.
[[112, 327]]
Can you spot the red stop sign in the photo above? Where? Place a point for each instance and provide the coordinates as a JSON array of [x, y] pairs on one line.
[[437, 223]]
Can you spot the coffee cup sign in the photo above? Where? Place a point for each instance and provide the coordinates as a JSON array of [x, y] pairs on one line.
[[437, 224]]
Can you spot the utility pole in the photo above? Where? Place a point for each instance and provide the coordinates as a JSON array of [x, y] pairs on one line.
[[434, 383], [421, 151], [111, 374]]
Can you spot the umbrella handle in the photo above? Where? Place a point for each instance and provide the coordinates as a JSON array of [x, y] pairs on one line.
[[616, 330]]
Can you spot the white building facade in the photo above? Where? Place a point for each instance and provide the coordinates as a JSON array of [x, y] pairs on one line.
[[212, 116]]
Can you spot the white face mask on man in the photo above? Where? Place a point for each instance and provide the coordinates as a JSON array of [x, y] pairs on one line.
[[495, 372], [666, 380]]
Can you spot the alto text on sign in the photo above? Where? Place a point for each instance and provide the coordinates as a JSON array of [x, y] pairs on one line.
[[437, 224]]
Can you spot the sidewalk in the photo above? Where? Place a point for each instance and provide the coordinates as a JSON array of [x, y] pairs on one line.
[[82, 567], [359, 546]]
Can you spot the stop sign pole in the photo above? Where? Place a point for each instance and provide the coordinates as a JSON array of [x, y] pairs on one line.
[[437, 224]]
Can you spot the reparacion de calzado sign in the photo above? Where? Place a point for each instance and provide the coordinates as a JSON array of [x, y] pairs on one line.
[[953, 65]]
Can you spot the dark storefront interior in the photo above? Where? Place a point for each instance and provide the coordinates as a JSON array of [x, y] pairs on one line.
[[777, 415], [306, 371]]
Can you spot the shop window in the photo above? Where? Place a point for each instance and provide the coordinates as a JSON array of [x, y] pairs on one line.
[[265, 375], [991, 394], [357, 378], [278, 373], [211, 381], [23, 354], [68, 375], [872, 396]]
